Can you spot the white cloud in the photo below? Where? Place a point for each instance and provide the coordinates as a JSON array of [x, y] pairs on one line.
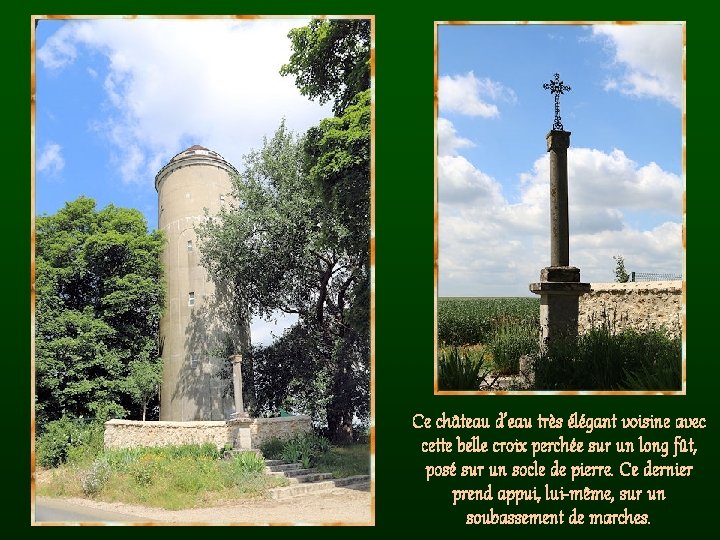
[[59, 49], [173, 83], [448, 139], [466, 94], [50, 159], [651, 59], [599, 181], [464, 184], [489, 246]]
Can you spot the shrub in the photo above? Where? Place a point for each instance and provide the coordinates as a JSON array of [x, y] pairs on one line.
[[603, 360], [660, 365], [69, 439], [305, 449], [295, 451], [248, 462], [272, 448], [459, 370], [95, 478]]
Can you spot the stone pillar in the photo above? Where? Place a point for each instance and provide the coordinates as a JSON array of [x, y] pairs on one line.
[[557, 144], [559, 286], [560, 290], [236, 360]]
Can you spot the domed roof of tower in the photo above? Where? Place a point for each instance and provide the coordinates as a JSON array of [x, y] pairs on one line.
[[196, 150], [195, 155]]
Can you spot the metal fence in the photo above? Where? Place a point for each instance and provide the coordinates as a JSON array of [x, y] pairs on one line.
[[649, 276]]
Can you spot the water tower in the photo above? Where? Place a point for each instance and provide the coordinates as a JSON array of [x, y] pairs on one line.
[[199, 328]]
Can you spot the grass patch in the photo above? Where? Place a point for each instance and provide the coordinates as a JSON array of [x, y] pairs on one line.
[[171, 478], [603, 360], [511, 342], [482, 338], [342, 461]]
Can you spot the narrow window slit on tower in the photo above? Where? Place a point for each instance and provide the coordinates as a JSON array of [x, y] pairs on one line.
[[191, 298], [189, 245]]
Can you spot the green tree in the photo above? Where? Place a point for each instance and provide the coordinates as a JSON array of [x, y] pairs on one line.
[[337, 154], [143, 382], [282, 247], [621, 275], [331, 60], [99, 296]]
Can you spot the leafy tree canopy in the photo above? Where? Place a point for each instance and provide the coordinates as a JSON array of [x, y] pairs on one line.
[[298, 240], [99, 296], [331, 60], [283, 247], [338, 163]]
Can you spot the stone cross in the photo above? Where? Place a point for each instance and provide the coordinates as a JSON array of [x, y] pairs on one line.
[[236, 360], [559, 287]]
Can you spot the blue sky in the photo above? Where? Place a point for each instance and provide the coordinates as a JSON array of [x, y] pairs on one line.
[[116, 99], [625, 171]]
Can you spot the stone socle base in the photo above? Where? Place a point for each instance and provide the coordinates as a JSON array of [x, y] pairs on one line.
[[559, 290], [241, 433], [560, 274]]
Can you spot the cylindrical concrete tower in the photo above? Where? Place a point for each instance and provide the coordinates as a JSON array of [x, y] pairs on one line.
[[199, 327]]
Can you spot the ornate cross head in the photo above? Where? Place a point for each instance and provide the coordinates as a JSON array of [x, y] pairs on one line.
[[557, 87]]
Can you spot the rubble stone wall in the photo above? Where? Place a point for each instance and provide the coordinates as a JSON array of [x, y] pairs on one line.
[[643, 305], [242, 433]]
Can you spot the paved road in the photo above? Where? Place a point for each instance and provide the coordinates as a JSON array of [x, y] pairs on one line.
[[60, 511]]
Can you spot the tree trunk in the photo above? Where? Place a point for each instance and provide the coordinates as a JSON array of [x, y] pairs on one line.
[[340, 409], [144, 409]]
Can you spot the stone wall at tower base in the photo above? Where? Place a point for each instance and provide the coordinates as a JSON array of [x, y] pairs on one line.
[[242, 433]]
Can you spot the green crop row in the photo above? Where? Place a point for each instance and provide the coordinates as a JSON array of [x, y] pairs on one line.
[[467, 321]]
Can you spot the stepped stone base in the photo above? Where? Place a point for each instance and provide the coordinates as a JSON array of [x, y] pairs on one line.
[[304, 481], [352, 482]]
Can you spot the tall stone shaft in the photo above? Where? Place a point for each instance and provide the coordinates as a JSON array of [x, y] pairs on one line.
[[200, 327], [559, 287], [557, 144]]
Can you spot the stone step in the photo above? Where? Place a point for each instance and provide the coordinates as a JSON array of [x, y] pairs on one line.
[[302, 476], [297, 490], [299, 472], [357, 481], [306, 475], [282, 467], [271, 462], [311, 477]]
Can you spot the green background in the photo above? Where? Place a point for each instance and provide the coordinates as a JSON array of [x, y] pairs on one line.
[[404, 501]]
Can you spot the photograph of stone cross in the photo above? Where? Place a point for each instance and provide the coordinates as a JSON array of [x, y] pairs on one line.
[[509, 204], [559, 287]]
